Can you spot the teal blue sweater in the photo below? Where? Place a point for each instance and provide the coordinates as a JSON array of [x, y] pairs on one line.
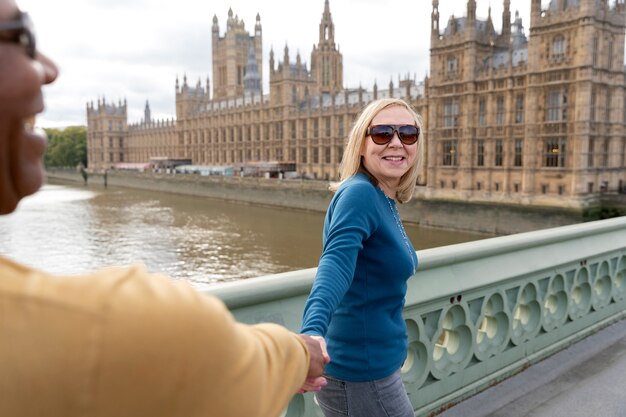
[[358, 294]]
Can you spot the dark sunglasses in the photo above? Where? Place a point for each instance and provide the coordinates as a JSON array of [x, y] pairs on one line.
[[382, 134], [23, 33]]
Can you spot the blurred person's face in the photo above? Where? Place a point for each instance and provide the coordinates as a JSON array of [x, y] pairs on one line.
[[22, 73]]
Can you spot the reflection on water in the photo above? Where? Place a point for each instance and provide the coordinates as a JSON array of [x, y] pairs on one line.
[[68, 230]]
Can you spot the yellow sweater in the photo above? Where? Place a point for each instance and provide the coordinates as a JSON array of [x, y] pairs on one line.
[[122, 342]]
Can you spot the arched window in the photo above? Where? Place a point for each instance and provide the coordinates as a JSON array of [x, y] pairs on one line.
[[556, 106], [453, 65], [559, 46]]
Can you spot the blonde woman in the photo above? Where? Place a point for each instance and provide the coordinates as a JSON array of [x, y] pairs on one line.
[[357, 298]]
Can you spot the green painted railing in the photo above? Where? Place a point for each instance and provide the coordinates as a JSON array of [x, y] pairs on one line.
[[477, 312]]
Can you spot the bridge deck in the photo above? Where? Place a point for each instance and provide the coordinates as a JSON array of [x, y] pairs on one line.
[[586, 379]]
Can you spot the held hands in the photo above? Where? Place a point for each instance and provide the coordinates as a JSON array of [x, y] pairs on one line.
[[319, 357]]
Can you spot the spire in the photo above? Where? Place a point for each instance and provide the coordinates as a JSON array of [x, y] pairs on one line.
[[231, 21], [215, 29], [434, 17], [146, 114], [271, 59], [286, 57], [490, 28], [471, 10], [506, 21], [452, 24], [327, 28], [257, 26], [535, 12], [326, 60], [518, 38]]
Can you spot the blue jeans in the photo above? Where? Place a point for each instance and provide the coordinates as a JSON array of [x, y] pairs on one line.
[[384, 397]]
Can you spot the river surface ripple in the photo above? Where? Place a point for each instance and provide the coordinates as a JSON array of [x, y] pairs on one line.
[[73, 230]]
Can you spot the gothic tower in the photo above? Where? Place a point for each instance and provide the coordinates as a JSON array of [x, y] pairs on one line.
[[230, 56], [106, 131], [290, 83], [463, 56], [326, 60], [530, 119], [189, 99], [576, 77]]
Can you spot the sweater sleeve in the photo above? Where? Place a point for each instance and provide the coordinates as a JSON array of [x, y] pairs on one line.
[[167, 350], [352, 217]]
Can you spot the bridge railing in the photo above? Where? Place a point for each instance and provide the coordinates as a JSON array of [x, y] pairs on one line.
[[477, 312]]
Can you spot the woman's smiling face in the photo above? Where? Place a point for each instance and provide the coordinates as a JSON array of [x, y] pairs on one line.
[[389, 162]]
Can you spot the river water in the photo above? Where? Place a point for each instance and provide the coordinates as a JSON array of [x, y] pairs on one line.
[[73, 229]]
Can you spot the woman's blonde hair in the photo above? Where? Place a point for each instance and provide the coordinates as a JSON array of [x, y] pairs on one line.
[[351, 162]]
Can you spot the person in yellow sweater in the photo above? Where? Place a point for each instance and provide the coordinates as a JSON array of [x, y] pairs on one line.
[[119, 342]]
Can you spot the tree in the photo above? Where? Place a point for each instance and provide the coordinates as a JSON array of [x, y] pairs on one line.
[[66, 147]]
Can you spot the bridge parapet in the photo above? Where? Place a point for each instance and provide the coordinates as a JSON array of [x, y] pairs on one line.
[[477, 312]]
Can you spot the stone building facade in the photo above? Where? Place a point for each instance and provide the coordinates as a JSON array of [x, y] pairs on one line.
[[523, 119], [537, 119]]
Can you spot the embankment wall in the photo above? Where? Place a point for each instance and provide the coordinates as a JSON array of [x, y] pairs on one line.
[[494, 218]]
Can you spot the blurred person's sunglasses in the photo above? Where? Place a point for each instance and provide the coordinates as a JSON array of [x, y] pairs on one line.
[[22, 33], [382, 134]]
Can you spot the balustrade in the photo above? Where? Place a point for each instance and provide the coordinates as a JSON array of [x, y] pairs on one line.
[[477, 312]]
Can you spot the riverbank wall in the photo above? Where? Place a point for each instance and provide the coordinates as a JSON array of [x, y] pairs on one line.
[[492, 218]]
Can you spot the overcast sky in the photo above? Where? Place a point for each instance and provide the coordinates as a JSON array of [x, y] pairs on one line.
[[135, 49]]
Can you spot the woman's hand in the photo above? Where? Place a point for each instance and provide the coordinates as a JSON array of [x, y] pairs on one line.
[[316, 383]]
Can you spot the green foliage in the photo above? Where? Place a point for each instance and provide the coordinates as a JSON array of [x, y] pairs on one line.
[[610, 212], [604, 210], [67, 147]]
